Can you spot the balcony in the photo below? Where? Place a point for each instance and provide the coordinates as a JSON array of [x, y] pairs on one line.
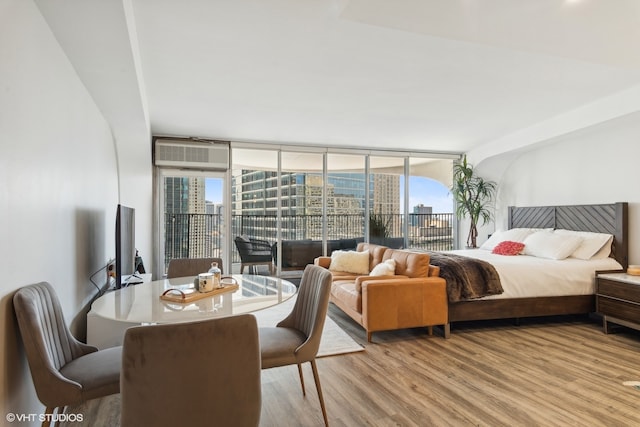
[[200, 235]]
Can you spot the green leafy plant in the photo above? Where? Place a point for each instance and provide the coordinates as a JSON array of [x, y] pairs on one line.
[[379, 225], [473, 195]]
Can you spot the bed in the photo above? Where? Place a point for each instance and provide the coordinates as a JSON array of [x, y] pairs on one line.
[[605, 218]]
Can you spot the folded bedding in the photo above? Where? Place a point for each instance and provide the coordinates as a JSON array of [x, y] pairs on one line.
[[467, 278]]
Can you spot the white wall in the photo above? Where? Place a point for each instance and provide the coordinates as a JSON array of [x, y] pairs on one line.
[[600, 164], [109, 67], [58, 186]]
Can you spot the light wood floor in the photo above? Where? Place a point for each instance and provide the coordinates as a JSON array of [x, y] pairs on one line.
[[555, 372]]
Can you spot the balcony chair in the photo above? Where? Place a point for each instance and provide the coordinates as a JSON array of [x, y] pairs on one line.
[[194, 374], [182, 267], [64, 370], [296, 339], [254, 252]]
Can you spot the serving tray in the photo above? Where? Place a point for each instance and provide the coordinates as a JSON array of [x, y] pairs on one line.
[[185, 296]]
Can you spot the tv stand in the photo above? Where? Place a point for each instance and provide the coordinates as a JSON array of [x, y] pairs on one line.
[[134, 279]]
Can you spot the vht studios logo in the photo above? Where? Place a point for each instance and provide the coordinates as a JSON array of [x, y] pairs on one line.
[[50, 418]]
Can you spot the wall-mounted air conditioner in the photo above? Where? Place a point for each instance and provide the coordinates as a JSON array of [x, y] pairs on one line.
[[191, 154]]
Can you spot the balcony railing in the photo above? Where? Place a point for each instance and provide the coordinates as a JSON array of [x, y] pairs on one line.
[[200, 235]]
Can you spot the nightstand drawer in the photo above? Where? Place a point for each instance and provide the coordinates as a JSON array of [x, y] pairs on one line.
[[616, 308], [620, 290]]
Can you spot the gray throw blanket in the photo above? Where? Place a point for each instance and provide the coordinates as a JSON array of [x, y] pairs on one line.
[[467, 278]]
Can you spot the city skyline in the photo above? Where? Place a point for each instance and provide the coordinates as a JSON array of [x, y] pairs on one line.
[[423, 190]]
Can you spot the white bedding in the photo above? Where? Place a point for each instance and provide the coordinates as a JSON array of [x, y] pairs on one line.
[[525, 276]]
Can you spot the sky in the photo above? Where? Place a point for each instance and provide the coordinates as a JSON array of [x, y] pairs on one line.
[[213, 190], [429, 192], [421, 190]]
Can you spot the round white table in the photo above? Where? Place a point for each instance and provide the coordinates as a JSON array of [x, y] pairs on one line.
[[115, 311]]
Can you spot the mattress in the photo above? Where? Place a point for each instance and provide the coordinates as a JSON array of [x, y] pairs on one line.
[[524, 276]]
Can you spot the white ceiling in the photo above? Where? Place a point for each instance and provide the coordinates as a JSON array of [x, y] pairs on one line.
[[444, 75]]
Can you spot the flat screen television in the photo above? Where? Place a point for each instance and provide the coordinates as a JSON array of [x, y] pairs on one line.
[[125, 245]]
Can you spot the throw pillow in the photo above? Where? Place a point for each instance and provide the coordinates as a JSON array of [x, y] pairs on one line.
[[350, 262], [386, 268], [514, 235], [508, 248]]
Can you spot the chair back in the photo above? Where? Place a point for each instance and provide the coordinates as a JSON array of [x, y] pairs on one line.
[[244, 246], [310, 310], [48, 343], [192, 374], [182, 267]]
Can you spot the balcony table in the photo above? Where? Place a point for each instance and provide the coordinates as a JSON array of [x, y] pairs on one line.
[[117, 310]]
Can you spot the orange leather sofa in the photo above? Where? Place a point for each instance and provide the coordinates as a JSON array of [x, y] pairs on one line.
[[413, 297]]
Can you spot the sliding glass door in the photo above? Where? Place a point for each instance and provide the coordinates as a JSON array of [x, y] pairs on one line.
[[192, 215]]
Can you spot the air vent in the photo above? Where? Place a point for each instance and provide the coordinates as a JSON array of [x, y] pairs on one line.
[[193, 155]]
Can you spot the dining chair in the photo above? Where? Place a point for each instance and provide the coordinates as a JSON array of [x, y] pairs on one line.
[[65, 371], [193, 374], [182, 267], [296, 339]]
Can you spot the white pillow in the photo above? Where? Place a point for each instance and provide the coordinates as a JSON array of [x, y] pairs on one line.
[[386, 268], [591, 242], [512, 235], [546, 244], [350, 262], [604, 251]]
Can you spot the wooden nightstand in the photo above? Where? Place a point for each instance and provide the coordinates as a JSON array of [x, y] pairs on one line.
[[618, 299]]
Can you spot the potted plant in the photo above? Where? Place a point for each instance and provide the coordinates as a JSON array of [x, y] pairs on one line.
[[472, 194], [379, 226]]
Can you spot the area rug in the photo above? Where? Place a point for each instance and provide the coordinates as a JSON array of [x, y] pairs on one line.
[[334, 340]]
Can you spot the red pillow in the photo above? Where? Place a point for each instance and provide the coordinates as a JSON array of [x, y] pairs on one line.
[[508, 248]]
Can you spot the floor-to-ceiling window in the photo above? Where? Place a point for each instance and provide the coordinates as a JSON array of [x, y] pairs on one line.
[[301, 198], [254, 198], [430, 220], [277, 193], [285, 194], [386, 200], [346, 196]]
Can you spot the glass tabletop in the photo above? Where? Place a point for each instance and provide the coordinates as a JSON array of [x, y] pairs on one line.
[[142, 304]]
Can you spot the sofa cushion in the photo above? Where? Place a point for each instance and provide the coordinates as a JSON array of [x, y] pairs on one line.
[[361, 279], [376, 252], [343, 275], [411, 264], [350, 261], [345, 291]]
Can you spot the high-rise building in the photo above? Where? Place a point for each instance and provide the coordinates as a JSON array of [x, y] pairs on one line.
[[254, 194], [421, 215], [185, 223]]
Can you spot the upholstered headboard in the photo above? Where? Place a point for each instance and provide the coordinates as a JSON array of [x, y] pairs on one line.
[[609, 218]]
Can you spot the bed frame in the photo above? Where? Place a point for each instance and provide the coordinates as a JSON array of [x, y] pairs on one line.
[[610, 218]]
